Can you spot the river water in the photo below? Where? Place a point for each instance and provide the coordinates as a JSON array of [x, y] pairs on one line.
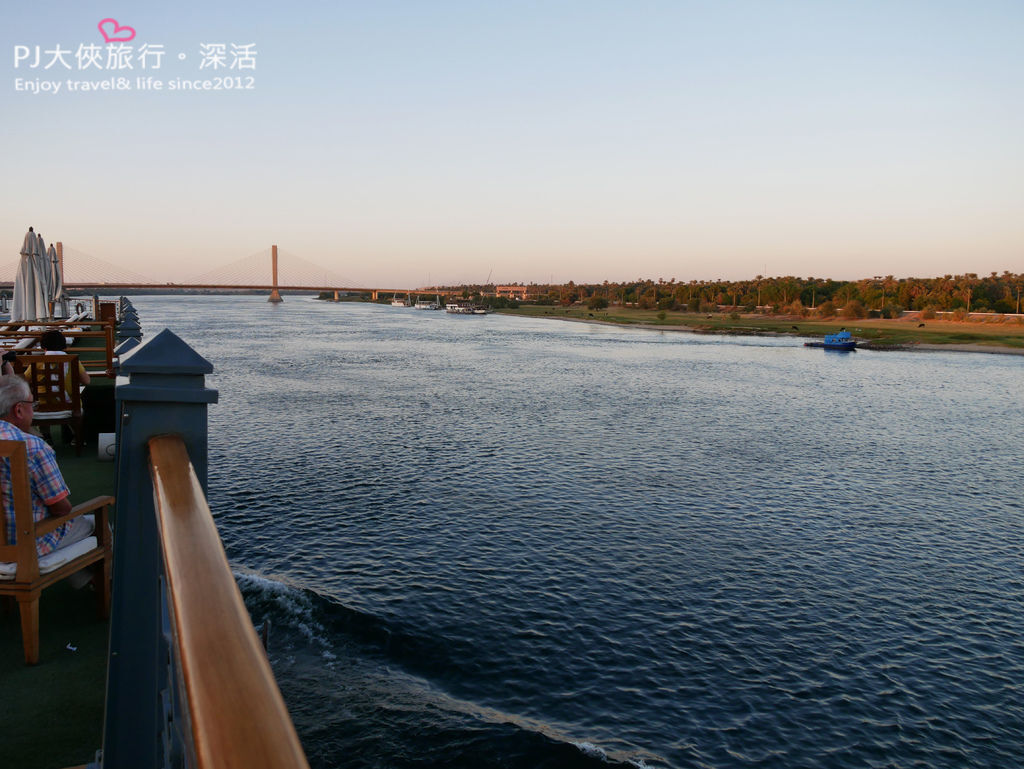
[[506, 542]]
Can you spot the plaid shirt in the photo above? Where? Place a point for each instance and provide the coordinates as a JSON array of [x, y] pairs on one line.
[[46, 483]]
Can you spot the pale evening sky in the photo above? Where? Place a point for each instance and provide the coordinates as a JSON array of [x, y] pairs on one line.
[[587, 140]]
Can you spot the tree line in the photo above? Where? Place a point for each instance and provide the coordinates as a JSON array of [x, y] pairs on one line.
[[884, 295]]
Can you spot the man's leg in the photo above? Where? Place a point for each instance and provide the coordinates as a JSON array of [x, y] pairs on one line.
[[81, 527]]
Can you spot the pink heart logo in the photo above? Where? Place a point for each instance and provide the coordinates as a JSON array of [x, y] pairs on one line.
[[118, 33]]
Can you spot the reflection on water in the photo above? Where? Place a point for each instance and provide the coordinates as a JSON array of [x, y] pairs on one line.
[[493, 541]]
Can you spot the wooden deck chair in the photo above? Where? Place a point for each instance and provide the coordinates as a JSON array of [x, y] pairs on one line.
[[24, 574], [57, 391]]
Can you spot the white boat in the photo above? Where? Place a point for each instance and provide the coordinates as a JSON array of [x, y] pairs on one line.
[[464, 308], [396, 302], [426, 304]]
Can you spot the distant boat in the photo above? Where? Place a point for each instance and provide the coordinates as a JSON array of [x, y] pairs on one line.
[[465, 308], [426, 304], [841, 341], [396, 302]]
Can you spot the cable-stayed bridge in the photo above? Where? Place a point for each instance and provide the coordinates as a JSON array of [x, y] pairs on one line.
[[271, 270]]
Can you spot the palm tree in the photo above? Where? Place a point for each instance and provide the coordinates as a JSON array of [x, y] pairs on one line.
[[965, 284], [889, 283]]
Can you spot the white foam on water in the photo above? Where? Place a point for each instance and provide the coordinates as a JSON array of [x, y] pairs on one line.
[[293, 603], [591, 750]]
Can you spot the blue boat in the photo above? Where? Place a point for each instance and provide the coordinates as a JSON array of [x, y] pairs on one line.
[[841, 341]]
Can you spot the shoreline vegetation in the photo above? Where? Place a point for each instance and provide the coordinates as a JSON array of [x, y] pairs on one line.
[[953, 312], [906, 333]]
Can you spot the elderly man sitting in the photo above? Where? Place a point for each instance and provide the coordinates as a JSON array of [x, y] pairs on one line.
[[49, 492]]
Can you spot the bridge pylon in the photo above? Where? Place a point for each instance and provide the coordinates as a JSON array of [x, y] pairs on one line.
[[275, 295]]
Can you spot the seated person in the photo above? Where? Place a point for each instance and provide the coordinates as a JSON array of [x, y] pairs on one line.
[[54, 343], [7, 364], [49, 492]]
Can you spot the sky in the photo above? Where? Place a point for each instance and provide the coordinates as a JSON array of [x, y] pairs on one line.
[[411, 143]]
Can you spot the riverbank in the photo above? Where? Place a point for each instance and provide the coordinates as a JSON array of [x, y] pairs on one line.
[[909, 333]]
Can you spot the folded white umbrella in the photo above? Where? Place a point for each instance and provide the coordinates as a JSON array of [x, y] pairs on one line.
[[43, 276], [29, 300], [56, 276]]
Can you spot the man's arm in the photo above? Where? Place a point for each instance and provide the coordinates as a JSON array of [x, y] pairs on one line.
[[60, 507], [47, 483]]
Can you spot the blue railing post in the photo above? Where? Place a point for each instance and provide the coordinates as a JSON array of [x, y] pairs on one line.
[[128, 328], [160, 389]]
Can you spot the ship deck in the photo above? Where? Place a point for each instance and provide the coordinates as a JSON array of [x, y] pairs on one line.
[[52, 713]]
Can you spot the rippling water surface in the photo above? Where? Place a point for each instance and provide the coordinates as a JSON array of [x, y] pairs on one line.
[[494, 541]]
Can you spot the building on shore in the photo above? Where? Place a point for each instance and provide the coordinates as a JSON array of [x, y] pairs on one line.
[[519, 293]]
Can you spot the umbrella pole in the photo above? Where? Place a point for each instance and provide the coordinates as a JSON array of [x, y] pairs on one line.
[[60, 267]]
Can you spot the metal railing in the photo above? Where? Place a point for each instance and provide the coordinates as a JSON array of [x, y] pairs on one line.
[[188, 683]]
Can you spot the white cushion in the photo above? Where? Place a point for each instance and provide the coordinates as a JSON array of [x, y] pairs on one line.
[[42, 416], [54, 560]]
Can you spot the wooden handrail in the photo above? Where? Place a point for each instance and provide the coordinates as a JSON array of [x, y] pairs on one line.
[[237, 715], [50, 524], [14, 326], [102, 333]]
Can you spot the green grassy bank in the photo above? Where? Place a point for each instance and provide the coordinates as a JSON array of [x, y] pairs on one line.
[[1008, 334]]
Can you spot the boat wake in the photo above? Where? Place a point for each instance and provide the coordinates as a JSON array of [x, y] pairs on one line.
[[361, 694]]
